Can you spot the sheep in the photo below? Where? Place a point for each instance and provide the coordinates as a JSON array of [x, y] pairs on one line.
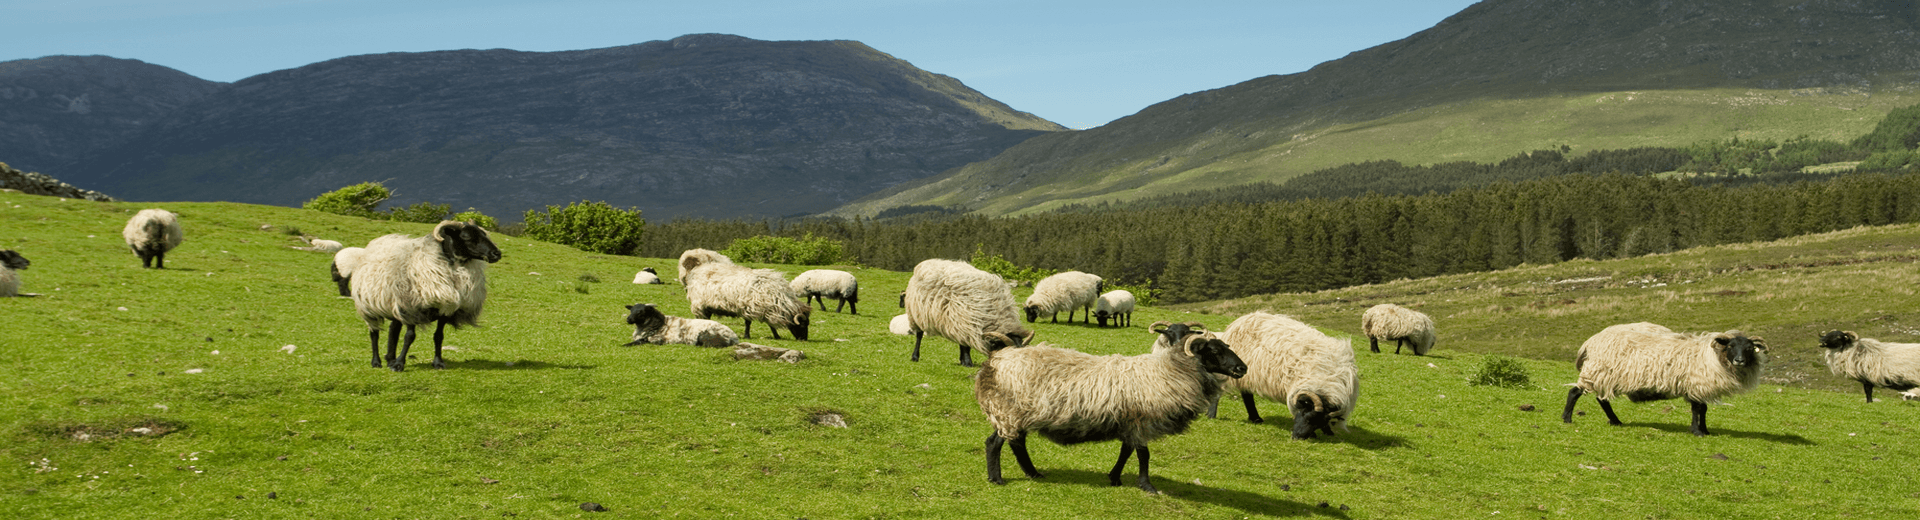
[[646, 276], [321, 245], [901, 325], [956, 301], [150, 234], [1072, 397], [1116, 305], [10, 262], [344, 262], [692, 258], [1291, 362], [827, 283], [652, 326], [439, 278], [1872, 362], [1400, 324], [1068, 291], [1648, 362], [727, 289]]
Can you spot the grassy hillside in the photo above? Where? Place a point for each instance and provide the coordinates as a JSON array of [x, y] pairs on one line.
[[540, 410]]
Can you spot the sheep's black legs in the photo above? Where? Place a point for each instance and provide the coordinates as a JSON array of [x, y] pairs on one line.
[[771, 328], [1020, 455], [993, 458], [917, 335], [439, 334], [393, 341], [1607, 406], [1376, 343], [400, 364], [1253, 414], [966, 356], [1213, 408], [1126, 452], [1397, 343], [373, 336], [160, 261], [1573, 396], [1869, 388], [749, 333], [821, 299], [1699, 417]]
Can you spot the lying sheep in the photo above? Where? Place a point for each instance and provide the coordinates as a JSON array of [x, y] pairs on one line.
[[1291, 362], [646, 276], [1400, 324], [440, 278], [956, 301], [1069, 291], [1872, 362], [727, 289], [1115, 305], [827, 283], [150, 234], [10, 263], [655, 327], [1648, 362], [901, 325], [320, 245], [344, 262], [692, 258], [1072, 397]]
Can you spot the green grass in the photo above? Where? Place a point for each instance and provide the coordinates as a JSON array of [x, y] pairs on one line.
[[541, 410]]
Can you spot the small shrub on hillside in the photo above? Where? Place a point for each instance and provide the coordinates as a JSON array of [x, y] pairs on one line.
[[999, 265], [807, 250], [357, 200], [589, 278], [1503, 372], [1142, 293], [589, 226], [478, 219], [423, 212]]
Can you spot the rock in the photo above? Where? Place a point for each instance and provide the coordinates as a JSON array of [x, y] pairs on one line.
[[1718, 456], [750, 351], [1526, 408], [592, 506], [830, 419]]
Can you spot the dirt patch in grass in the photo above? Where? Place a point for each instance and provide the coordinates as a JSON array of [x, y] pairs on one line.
[[105, 429]]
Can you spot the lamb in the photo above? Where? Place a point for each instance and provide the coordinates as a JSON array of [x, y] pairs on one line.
[[1648, 362], [10, 263], [727, 289], [646, 276], [1872, 362], [344, 262], [321, 245], [901, 325], [956, 301], [440, 278], [827, 283], [652, 326], [1072, 397], [692, 258], [1400, 324], [1068, 291], [150, 234], [1116, 305], [1291, 362]]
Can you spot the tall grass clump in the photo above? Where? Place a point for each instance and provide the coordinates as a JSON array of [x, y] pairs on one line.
[[1503, 372]]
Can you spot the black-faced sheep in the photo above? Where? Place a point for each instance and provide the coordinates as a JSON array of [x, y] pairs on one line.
[[10, 263], [956, 301], [1648, 362], [440, 278], [728, 289], [1072, 397], [1400, 324], [1069, 291], [655, 327], [692, 258], [646, 276], [150, 234], [344, 262], [1291, 362], [820, 284], [1115, 305], [1872, 362]]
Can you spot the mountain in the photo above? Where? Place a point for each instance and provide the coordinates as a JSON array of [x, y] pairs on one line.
[[58, 110], [704, 125], [1500, 77]]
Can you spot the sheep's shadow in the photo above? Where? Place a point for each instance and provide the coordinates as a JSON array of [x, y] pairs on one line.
[[1714, 431], [487, 364], [1390, 354], [1251, 503], [1355, 436]]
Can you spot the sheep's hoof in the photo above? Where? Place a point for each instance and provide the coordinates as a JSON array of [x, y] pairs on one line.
[[439, 364], [1256, 420], [998, 481]]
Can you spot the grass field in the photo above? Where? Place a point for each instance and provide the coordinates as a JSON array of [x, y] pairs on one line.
[[541, 409]]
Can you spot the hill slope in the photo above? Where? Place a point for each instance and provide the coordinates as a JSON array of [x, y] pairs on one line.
[[59, 110], [1501, 77]]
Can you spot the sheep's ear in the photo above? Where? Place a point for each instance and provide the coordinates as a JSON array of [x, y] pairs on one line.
[[1187, 345], [438, 231], [1758, 344], [629, 307], [1723, 340]]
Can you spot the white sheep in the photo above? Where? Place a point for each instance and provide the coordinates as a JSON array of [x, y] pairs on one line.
[[440, 278], [827, 283], [321, 245], [646, 276], [1071, 397], [692, 258], [341, 269], [728, 289], [1291, 362], [956, 301], [150, 234], [652, 326], [1400, 324], [1069, 291], [901, 325], [1116, 305], [1648, 362], [10, 263], [1872, 362]]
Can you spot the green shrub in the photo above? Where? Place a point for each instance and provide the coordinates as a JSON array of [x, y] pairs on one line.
[[999, 265], [807, 250], [1142, 293], [423, 212], [588, 226], [357, 200], [1503, 372], [478, 219]]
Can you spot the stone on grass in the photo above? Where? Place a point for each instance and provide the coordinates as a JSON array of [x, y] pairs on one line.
[[749, 351]]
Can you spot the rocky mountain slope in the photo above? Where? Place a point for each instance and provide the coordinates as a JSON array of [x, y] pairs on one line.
[[59, 110]]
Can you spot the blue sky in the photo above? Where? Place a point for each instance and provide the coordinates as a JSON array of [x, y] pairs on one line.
[[1077, 63]]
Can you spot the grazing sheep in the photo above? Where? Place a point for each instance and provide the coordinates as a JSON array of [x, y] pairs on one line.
[[1872, 362], [1291, 362], [1068, 291], [1116, 305], [1648, 362], [692, 258], [10, 262], [344, 262], [956, 301], [728, 289], [1072, 397], [646, 276], [901, 325], [150, 234], [440, 278], [652, 326], [1400, 324], [827, 283]]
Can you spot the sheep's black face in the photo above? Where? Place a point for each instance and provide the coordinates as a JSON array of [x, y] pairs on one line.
[[645, 317], [1217, 358], [1741, 351], [1837, 339], [799, 326], [1033, 313], [13, 260], [463, 240], [1307, 419], [650, 270]]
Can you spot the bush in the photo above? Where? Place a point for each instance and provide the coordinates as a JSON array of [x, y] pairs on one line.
[[808, 250], [588, 226], [423, 212], [478, 219], [999, 265], [1142, 293], [356, 201], [1503, 372]]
